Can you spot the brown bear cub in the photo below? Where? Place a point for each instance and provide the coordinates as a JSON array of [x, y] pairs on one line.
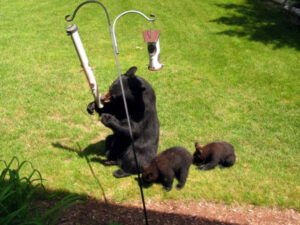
[[212, 154], [173, 162]]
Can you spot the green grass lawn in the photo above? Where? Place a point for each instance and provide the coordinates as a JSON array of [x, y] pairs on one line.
[[231, 73]]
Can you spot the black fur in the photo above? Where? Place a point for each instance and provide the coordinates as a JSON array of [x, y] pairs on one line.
[[212, 154], [141, 102], [173, 162]]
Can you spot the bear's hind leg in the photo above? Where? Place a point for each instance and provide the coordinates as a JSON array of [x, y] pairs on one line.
[[121, 173], [167, 180], [229, 161], [182, 178], [110, 145], [208, 166], [110, 163]]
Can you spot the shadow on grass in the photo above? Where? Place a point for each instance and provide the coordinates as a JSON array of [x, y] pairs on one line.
[[93, 149], [97, 149], [260, 22]]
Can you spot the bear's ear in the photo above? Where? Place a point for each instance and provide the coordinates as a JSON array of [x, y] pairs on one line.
[[131, 71], [197, 145]]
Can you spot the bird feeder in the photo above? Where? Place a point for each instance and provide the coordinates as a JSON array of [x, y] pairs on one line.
[[152, 39], [72, 30]]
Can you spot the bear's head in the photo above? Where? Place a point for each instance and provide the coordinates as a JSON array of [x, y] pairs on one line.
[[150, 173], [133, 89], [198, 154]]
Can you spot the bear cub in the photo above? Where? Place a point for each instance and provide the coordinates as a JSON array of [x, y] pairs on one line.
[[173, 162], [212, 154]]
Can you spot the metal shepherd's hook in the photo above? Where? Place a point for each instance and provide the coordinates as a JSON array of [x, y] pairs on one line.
[[122, 14], [73, 31]]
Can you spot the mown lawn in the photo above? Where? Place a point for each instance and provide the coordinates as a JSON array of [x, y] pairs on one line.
[[231, 73]]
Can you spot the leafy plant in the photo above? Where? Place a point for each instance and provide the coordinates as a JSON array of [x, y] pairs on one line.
[[17, 196], [295, 3]]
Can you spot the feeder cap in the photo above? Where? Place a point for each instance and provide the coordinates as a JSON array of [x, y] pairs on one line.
[[71, 29], [151, 35]]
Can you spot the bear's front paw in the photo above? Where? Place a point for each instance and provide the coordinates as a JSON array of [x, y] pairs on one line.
[[91, 107], [167, 188], [179, 186], [107, 119]]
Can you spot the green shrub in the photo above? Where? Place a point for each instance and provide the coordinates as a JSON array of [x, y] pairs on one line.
[[295, 3]]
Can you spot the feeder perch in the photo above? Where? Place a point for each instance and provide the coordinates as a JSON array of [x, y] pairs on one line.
[[151, 37]]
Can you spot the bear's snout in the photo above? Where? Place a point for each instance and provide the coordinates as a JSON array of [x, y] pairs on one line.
[[106, 97]]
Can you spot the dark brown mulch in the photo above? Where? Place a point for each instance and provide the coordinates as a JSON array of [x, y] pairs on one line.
[[176, 213]]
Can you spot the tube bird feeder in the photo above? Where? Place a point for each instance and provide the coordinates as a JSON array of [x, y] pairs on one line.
[[152, 39], [72, 30]]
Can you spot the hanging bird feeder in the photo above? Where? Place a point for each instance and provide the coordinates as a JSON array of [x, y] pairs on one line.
[[152, 39], [72, 30]]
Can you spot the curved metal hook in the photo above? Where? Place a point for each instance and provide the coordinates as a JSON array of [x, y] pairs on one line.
[[126, 12], [84, 3]]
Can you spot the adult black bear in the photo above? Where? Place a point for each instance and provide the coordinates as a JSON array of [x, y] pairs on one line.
[[141, 102], [173, 162], [212, 154]]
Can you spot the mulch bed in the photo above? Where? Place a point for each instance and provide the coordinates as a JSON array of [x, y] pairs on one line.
[[95, 212]]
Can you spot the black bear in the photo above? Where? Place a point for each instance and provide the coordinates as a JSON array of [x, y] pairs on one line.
[[141, 102], [173, 162], [212, 154]]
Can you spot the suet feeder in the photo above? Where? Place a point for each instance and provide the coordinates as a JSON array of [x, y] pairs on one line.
[[152, 39]]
